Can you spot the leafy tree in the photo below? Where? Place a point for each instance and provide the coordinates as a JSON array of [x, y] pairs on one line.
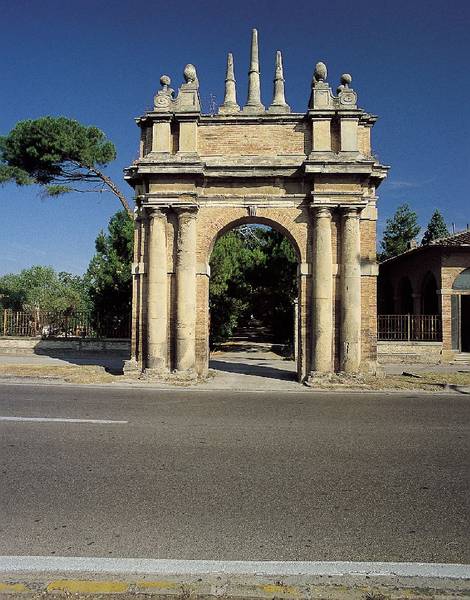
[[227, 287], [274, 284], [253, 274], [59, 154], [42, 289], [399, 231], [109, 273], [436, 228]]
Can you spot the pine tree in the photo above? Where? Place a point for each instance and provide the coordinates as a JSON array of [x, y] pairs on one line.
[[436, 229], [399, 231], [60, 155]]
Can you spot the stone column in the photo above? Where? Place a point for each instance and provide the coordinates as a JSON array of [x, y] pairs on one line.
[[186, 289], [350, 352], [157, 310], [322, 291]]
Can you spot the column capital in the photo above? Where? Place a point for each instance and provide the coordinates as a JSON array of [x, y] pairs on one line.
[[186, 210], [156, 212], [350, 212], [321, 211]]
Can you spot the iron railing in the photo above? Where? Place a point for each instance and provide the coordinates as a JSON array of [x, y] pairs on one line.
[[47, 324], [412, 328]]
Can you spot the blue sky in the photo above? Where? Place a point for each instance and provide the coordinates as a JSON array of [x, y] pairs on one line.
[[100, 62]]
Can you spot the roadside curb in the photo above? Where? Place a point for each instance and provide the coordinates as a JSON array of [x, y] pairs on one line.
[[33, 576], [302, 389]]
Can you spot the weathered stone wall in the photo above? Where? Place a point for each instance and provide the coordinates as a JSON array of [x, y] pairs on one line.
[[409, 353], [15, 345]]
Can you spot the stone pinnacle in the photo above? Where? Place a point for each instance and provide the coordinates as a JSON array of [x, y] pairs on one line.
[[279, 103], [230, 99], [253, 104]]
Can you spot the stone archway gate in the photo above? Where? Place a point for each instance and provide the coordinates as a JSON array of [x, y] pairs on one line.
[[311, 175]]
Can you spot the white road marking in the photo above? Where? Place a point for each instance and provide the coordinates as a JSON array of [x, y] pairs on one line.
[[50, 564], [62, 420]]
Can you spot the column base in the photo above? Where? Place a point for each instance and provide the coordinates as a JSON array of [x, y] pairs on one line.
[[157, 374], [131, 366], [334, 380], [183, 376]]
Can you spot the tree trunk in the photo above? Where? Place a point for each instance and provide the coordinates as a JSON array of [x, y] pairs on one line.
[[115, 190]]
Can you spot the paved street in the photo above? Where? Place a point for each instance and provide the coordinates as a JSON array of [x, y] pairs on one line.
[[226, 475]]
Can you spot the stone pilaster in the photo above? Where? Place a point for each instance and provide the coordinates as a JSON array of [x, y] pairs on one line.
[[186, 289], [350, 332], [322, 291], [161, 135], [157, 294]]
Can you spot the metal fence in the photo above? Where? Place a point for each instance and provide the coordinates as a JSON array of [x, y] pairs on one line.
[[412, 328], [63, 325]]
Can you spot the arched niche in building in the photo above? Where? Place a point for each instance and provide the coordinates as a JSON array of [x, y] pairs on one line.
[[405, 296], [429, 297]]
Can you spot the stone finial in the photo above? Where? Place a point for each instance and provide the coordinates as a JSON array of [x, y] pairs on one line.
[[190, 75], [346, 80], [279, 104], [347, 96], [165, 82], [230, 99], [321, 96], [163, 98], [188, 94], [321, 73], [253, 103]]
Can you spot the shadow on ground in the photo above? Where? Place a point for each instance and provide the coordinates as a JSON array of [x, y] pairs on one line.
[[230, 365]]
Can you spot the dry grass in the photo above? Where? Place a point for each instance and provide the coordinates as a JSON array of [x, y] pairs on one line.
[[88, 374], [68, 373], [432, 382]]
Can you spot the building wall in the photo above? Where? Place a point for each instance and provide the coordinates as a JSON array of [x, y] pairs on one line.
[[445, 263], [254, 139]]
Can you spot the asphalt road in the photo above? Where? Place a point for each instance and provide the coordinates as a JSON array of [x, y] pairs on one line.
[[221, 475]]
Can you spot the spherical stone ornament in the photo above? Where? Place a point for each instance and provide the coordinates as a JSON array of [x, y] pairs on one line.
[[165, 80], [321, 71], [189, 73], [346, 79]]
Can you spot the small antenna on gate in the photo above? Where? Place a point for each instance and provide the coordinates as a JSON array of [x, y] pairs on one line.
[[212, 104]]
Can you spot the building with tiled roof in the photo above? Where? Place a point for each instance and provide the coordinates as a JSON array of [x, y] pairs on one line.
[[424, 297]]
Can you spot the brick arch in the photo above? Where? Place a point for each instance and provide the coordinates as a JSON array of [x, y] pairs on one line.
[[291, 223], [462, 281]]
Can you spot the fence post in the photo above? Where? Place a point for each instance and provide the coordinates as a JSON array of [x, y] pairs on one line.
[[4, 322], [409, 326]]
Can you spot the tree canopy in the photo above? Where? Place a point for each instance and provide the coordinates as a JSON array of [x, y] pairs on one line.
[[109, 276], [59, 154], [253, 274], [436, 228], [399, 231], [43, 289]]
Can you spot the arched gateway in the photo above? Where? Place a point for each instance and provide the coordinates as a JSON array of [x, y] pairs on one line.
[[311, 175]]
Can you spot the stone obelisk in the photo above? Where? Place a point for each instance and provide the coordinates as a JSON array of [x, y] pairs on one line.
[[253, 104], [230, 99], [279, 104]]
